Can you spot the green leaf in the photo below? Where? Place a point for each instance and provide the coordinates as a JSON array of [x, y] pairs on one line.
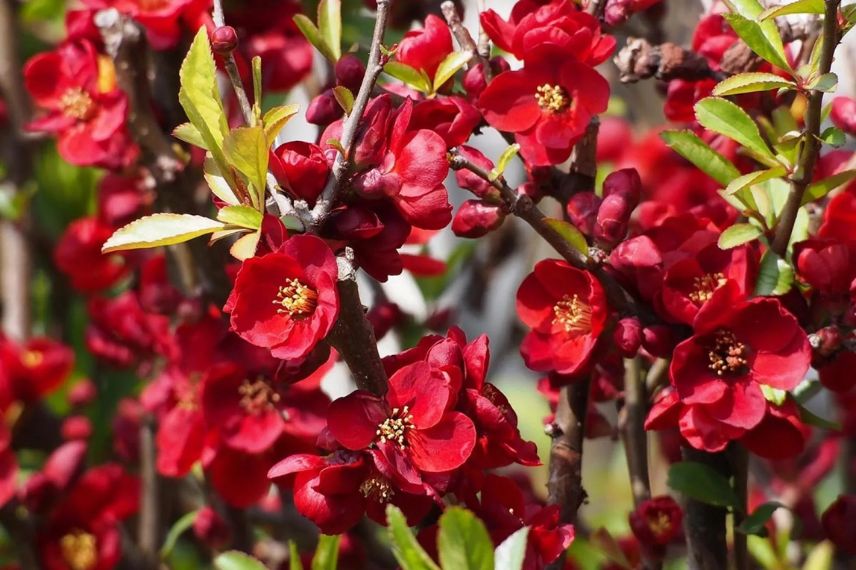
[[246, 149], [344, 97], [510, 553], [752, 178], [294, 562], [188, 133], [218, 185], [245, 246], [160, 229], [691, 147], [833, 136], [313, 34], [463, 541], [330, 26], [569, 233], [774, 395], [775, 275], [257, 89], [750, 83], [702, 483], [724, 117], [501, 164], [175, 531], [276, 118], [234, 560], [243, 216], [812, 419], [755, 523], [825, 83], [411, 77], [798, 7], [821, 188], [450, 66], [762, 37], [405, 547], [326, 553], [738, 234]]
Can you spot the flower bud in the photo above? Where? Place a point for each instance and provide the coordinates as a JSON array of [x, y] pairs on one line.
[[843, 114], [659, 340], [475, 218], [76, 428], [210, 528], [582, 211], [82, 393], [224, 40], [626, 182], [613, 219], [350, 71], [376, 184], [471, 181], [324, 109], [827, 341], [474, 81], [301, 168], [628, 336]]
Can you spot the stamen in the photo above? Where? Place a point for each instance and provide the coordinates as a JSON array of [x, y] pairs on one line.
[[377, 489], [79, 550], [726, 355], [76, 103], [572, 314], [552, 98], [257, 396], [296, 299], [395, 427], [705, 286]]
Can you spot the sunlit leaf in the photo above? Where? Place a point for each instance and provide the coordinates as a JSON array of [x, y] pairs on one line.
[[234, 560], [410, 76], [502, 163], [775, 276], [724, 117], [569, 233], [738, 234], [344, 97], [691, 147], [821, 188], [246, 150], [326, 553], [188, 133], [406, 549], [509, 555], [449, 66], [798, 7], [330, 26], [751, 83], [313, 35], [160, 229], [463, 541], [243, 216], [762, 37], [276, 118]]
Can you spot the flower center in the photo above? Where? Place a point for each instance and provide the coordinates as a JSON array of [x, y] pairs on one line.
[[396, 426], [32, 358], [296, 298], [77, 104], [705, 286], [377, 489], [257, 396], [660, 524], [726, 355], [552, 98], [79, 550], [572, 314]]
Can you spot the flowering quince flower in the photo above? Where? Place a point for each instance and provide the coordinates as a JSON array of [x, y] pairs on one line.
[[781, 424], [78, 255], [286, 301], [424, 49], [566, 310], [33, 369], [413, 423], [301, 168], [827, 265], [547, 105], [84, 108], [453, 118], [164, 20], [657, 521]]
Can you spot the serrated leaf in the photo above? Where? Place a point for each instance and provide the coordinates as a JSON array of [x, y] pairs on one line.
[[243, 216], [833, 136], [756, 177], [175, 531], [509, 555], [798, 7], [755, 523], [775, 275], [405, 547], [502, 163], [246, 150], [692, 148], [569, 233], [762, 37], [724, 117], [186, 132], [330, 26], [160, 229], [313, 35], [450, 66], [276, 118], [410, 76], [463, 541], [702, 483], [825, 83], [821, 188], [751, 83], [218, 185], [234, 560], [326, 553], [344, 97], [738, 234]]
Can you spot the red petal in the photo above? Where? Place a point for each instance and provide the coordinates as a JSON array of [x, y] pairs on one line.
[[445, 446]]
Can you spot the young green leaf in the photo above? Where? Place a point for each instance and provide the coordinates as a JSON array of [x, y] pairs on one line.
[[276, 118], [775, 276], [326, 553], [738, 234], [753, 178], [833, 136], [234, 560], [798, 7], [412, 77], [246, 149], [450, 66], [330, 26], [175, 531], [691, 147], [751, 83], [405, 547], [762, 37], [160, 229], [463, 541], [218, 185], [724, 117], [825, 83], [344, 97], [509, 555], [243, 216], [188, 133], [245, 246], [313, 35], [257, 89], [755, 523], [501, 164], [569, 233], [702, 483], [821, 188]]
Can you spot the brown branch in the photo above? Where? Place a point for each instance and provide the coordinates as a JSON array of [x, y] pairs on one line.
[[148, 531], [805, 169], [704, 524], [739, 458], [639, 60], [465, 40], [343, 163], [631, 424]]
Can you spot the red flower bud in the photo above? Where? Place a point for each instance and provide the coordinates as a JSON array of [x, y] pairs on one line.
[[474, 80], [210, 528], [626, 182], [301, 168], [613, 219], [475, 218], [82, 393], [659, 340], [582, 211], [224, 40], [827, 341], [472, 182], [628, 336], [76, 428], [843, 114], [324, 109], [350, 71]]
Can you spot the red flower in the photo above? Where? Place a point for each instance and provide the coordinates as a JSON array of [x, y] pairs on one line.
[[780, 435], [301, 168], [566, 310], [827, 265], [453, 118], [412, 423], [548, 105], [164, 20], [78, 255], [424, 49], [122, 333], [657, 521], [34, 369], [737, 347], [843, 114], [286, 301]]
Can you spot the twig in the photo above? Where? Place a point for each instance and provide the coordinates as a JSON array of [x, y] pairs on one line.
[[465, 40], [232, 69], [740, 468], [805, 169], [631, 423], [639, 60], [148, 532], [704, 524], [342, 165]]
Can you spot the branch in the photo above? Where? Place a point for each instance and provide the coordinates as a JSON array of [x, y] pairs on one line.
[[148, 531], [343, 163], [704, 524], [739, 457], [805, 169], [631, 423], [465, 40], [639, 59]]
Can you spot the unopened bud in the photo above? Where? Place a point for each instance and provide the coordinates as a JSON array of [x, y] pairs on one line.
[[613, 219], [224, 40], [324, 109], [350, 71], [582, 211], [628, 336], [625, 182], [475, 218]]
